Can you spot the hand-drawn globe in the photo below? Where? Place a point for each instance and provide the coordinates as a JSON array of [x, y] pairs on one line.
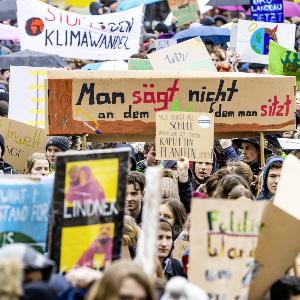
[[260, 40], [34, 26]]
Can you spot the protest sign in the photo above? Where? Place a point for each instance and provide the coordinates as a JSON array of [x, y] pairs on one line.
[[284, 62], [223, 239], [45, 28], [184, 134], [190, 55], [27, 95], [88, 208], [289, 144], [185, 11], [164, 43], [21, 141], [253, 39], [270, 11], [139, 64], [179, 248], [24, 206], [122, 105]]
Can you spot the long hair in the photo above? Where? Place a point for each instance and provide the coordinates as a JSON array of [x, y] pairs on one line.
[[32, 159], [108, 287]]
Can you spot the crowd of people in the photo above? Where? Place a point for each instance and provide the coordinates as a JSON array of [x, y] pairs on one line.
[[237, 171]]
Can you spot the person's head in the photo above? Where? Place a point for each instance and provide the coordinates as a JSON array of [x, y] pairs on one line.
[[164, 239], [5, 74], [96, 8], [134, 193], [113, 5], [174, 212], [55, 145], [287, 288], [131, 231], [213, 181], [209, 45], [240, 168], [233, 186], [220, 20], [169, 185], [208, 21], [150, 154], [160, 28], [3, 109], [202, 170], [123, 280], [250, 152], [273, 176], [216, 57], [37, 164]]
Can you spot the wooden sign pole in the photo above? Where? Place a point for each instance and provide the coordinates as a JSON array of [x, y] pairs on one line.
[[262, 149], [84, 137]]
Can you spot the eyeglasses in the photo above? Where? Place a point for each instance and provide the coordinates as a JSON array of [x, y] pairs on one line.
[[130, 297]]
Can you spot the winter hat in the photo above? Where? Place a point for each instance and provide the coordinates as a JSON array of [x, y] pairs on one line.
[[161, 27], [254, 141], [148, 36], [169, 188], [94, 7], [2, 145], [208, 21], [59, 141]]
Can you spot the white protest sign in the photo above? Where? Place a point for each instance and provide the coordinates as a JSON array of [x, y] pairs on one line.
[[27, 95], [287, 193], [187, 56], [164, 43], [289, 144], [253, 39], [45, 28]]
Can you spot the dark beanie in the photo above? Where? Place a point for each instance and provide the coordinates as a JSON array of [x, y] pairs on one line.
[[59, 141], [161, 27], [2, 145], [208, 21]]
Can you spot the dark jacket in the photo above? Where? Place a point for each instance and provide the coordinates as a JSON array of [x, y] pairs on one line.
[[265, 194], [6, 168], [172, 267]]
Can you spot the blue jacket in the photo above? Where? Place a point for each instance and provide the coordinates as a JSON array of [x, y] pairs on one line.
[[265, 194]]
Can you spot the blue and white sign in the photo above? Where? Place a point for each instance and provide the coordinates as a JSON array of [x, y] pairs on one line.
[[24, 211], [267, 11]]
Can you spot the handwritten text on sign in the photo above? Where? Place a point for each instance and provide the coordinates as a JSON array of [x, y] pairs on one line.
[[184, 134], [126, 103]]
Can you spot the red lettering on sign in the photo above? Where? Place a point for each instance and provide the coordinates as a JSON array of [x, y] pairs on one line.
[[275, 109]]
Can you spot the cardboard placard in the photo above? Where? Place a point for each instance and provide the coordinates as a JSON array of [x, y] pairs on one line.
[[27, 95], [185, 11], [190, 55], [123, 104], [271, 11], [253, 39], [223, 238], [179, 249], [21, 141], [24, 206], [88, 208], [47, 29], [289, 144], [184, 134], [139, 64], [284, 62]]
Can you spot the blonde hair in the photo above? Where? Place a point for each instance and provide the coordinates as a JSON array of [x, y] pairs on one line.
[[32, 159], [131, 231], [108, 287]]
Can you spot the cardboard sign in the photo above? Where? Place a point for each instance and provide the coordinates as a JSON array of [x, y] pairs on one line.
[[88, 208], [179, 249], [164, 43], [253, 39], [139, 64], [27, 95], [289, 144], [190, 55], [284, 62], [24, 206], [270, 11], [184, 134], [223, 239], [185, 11], [21, 141], [122, 104], [45, 28], [273, 260]]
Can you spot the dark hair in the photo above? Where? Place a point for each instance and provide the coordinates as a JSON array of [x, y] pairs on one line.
[[136, 178], [179, 214], [227, 184], [148, 146], [213, 181], [284, 288]]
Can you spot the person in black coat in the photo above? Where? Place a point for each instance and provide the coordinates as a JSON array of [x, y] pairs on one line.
[[171, 266]]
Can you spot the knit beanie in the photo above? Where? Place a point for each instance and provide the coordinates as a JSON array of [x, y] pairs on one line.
[[169, 188], [2, 145], [59, 141]]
